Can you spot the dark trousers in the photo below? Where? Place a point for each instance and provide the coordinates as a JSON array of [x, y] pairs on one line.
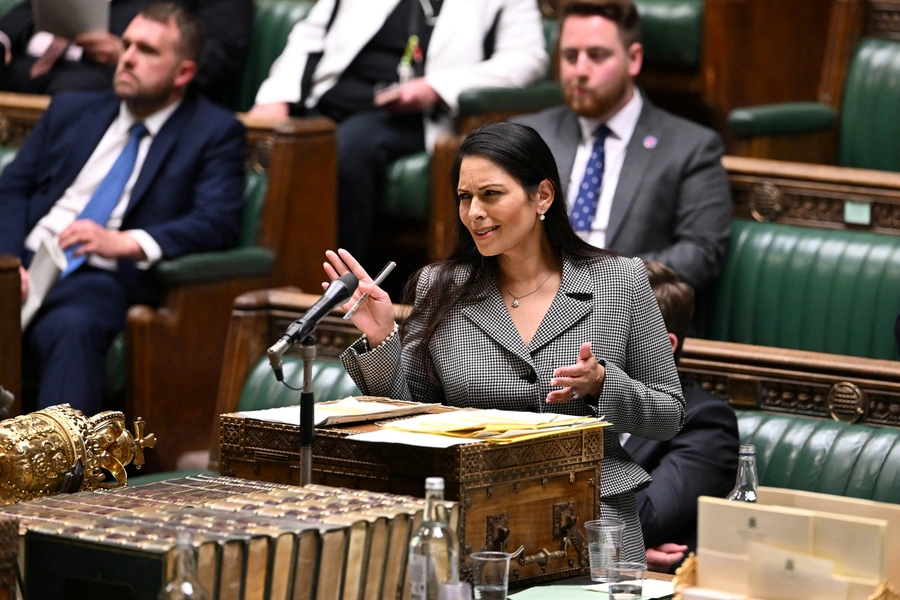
[[65, 75], [367, 143], [67, 342]]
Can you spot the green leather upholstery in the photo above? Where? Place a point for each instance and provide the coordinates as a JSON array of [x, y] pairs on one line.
[[785, 118], [824, 456], [7, 155], [407, 189], [870, 122], [261, 390], [672, 32], [806, 288], [273, 21], [6, 6]]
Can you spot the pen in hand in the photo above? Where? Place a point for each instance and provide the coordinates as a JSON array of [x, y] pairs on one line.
[[379, 279]]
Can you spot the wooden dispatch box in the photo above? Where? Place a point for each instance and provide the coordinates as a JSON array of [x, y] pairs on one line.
[[536, 493]]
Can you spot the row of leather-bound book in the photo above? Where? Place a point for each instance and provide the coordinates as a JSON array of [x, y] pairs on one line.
[[253, 540]]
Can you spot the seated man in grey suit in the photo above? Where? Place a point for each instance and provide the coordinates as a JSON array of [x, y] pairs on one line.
[[702, 458], [640, 181]]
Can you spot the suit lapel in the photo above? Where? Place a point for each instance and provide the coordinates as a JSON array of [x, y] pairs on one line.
[[159, 148], [565, 145], [572, 303], [90, 130], [637, 161], [487, 310]]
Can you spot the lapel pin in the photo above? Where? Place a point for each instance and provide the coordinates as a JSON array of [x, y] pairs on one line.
[[650, 142]]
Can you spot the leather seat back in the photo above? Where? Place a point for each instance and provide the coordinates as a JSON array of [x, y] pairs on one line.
[[870, 122], [828, 457], [672, 32], [261, 390], [806, 288], [273, 21]]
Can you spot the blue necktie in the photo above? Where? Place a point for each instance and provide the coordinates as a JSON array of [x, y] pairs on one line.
[[108, 193], [582, 212]]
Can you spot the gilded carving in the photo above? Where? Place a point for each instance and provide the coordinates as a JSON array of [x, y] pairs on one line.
[[847, 402], [685, 575], [765, 202], [58, 450], [885, 591]]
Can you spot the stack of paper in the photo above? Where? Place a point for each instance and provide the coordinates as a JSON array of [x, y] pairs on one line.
[[499, 426], [337, 412]]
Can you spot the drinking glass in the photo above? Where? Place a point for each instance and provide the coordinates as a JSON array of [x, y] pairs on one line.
[[490, 575], [604, 538]]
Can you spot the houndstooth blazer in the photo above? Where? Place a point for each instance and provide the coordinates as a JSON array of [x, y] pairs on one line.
[[480, 360]]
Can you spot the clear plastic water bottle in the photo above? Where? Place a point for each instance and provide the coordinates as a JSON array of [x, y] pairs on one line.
[[434, 549], [184, 584], [745, 486]]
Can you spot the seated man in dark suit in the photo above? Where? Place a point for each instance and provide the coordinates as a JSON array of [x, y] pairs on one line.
[[701, 460], [640, 181], [38, 63], [119, 181]]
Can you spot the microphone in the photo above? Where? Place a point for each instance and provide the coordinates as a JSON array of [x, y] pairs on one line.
[[338, 292]]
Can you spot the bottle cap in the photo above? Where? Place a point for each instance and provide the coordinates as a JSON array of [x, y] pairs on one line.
[[747, 450], [434, 484]]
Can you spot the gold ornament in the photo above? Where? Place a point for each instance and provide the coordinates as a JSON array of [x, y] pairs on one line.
[[58, 450], [885, 591], [685, 575]]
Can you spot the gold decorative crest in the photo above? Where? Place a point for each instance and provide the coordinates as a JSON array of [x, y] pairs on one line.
[[58, 450]]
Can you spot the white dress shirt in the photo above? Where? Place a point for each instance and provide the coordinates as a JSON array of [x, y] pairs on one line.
[[76, 197], [621, 126]]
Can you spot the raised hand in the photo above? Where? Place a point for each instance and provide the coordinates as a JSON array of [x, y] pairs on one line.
[[584, 378], [375, 317]]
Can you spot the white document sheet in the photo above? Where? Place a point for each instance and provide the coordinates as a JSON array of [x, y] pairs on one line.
[[422, 440], [43, 273]]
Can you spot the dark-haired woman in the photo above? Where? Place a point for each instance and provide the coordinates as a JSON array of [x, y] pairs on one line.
[[526, 316]]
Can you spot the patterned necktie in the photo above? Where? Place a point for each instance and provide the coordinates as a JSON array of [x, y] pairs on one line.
[[582, 212], [108, 193], [53, 53]]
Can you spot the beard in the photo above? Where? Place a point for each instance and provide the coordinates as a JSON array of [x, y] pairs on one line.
[[596, 104]]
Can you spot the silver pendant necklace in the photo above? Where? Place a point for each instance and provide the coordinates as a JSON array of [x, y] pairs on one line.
[[515, 302]]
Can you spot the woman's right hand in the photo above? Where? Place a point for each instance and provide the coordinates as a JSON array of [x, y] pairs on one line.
[[375, 317]]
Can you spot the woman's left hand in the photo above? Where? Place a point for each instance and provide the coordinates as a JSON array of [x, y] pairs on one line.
[[584, 378]]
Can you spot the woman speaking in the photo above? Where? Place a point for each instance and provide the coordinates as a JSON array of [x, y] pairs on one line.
[[525, 316]]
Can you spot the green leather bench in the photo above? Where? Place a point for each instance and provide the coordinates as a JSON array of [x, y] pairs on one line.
[[822, 456], [806, 288]]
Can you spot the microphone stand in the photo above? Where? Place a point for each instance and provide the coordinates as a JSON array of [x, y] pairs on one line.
[[307, 410]]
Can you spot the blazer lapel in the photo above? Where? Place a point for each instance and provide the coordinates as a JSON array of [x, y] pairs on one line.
[[159, 149], [637, 161], [487, 310], [572, 303]]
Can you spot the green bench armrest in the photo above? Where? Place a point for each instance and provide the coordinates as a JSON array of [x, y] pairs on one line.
[[786, 118], [213, 266], [532, 98]]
